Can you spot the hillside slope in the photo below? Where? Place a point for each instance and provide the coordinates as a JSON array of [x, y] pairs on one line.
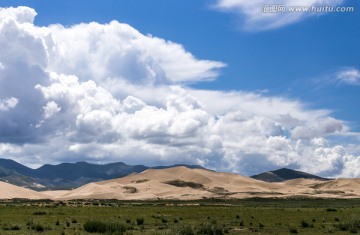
[[284, 174]]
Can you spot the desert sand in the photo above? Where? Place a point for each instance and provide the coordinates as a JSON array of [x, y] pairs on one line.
[[9, 191], [154, 184], [181, 183]]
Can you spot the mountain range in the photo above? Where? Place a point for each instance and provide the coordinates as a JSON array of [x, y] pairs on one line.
[[67, 175]]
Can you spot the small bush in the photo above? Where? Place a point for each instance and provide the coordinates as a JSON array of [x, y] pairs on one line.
[[40, 213], [181, 183], [331, 210], [15, 227], [164, 220], [206, 229], [351, 226], [57, 223], [139, 221], [96, 226], [241, 223], [39, 228], [293, 230], [74, 221], [304, 224], [185, 230]]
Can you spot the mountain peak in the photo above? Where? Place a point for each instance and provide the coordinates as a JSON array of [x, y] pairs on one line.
[[284, 174], [67, 175]]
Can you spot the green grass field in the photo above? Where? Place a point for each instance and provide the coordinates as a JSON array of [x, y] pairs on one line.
[[255, 216]]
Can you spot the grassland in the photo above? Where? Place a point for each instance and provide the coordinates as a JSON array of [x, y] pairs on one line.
[[255, 216]]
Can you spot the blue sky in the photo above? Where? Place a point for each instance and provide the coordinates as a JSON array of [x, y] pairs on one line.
[[313, 61]]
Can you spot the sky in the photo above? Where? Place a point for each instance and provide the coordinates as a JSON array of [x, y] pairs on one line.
[[225, 84]]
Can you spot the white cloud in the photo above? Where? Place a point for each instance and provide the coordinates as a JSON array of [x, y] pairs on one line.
[[255, 19], [349, 76], [50, 109], [7, 104], [18, 14], [110, 51], [106, 93]]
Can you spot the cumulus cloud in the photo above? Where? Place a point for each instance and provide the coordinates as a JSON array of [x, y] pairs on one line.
[[259, 15], [115, 50], [7, 104], [106, 92], [19, 14]]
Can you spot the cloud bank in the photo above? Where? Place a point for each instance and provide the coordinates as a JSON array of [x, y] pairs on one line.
[[258, 15], [106, 92]]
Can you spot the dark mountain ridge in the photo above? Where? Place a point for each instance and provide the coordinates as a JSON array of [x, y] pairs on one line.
[[284, 174], [72, 175], [67, 175]]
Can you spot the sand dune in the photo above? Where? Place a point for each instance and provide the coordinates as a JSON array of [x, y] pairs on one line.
[[9, 191], [181, 183], [190, 184]]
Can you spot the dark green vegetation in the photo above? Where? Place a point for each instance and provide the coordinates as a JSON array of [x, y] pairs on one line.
[[253, 216], [181, 183]]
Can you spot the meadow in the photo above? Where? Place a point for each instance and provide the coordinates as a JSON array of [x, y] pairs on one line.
[[252, 216]]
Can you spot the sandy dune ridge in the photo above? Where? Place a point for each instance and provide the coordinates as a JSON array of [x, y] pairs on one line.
[[9, 191], [181, 183]]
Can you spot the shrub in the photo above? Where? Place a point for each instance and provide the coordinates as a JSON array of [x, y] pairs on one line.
[[139, 221], [15, 227], [351, 226], [39, 228], [40, 213], [185, 230], [129, 189], [96, 226], [293, 230], [304, 224], [181, 183], [331, 210], [210, 229], [242, 223], [164, 220]]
